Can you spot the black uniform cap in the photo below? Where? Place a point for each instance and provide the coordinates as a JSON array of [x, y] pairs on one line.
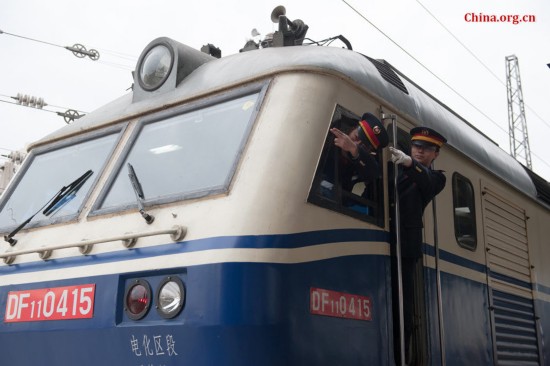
[[372, 132], [427, 137]]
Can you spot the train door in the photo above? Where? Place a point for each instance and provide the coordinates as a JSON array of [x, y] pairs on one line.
[[516, 337]]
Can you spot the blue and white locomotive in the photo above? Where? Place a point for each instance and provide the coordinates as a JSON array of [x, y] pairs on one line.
[[187, 222]]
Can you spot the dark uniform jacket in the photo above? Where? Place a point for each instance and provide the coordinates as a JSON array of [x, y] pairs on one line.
[[417, 186], [363, 169]]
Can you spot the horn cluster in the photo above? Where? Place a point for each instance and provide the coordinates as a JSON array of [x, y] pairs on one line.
[[290, 33], [277, 12]]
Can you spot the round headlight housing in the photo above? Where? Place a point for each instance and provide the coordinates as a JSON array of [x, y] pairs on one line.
[[137, 299], [170, 297], [155, 67]]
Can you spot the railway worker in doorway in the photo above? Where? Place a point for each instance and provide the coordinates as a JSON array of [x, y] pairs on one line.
[[417, 185], [359, 148]]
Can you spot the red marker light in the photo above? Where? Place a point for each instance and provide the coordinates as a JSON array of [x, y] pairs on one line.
[[138, 299]]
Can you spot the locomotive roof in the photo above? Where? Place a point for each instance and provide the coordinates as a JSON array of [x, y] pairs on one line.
[[376, 77]]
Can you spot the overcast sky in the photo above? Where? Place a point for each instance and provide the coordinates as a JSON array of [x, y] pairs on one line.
[[462, 63]]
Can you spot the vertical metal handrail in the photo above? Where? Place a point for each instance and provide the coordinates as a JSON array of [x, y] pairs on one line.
[[438, 282], [398, 246]]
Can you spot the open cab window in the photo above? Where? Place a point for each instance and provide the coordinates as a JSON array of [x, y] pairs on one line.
[[337, 185], [43, 187], [183, 155]]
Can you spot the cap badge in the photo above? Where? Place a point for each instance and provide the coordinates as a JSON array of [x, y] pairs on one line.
[[376, 130]]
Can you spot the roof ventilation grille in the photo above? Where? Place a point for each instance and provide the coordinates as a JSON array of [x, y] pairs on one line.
[[388, 74]]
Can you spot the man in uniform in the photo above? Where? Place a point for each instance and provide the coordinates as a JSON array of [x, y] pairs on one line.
[[359, 148], [417, 185]]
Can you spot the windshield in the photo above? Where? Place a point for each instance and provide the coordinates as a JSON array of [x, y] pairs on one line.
[[50, 171], [185, 156]]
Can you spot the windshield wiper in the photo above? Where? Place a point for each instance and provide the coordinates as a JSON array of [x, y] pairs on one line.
[[66, 194], [139, 194], [60, 199]]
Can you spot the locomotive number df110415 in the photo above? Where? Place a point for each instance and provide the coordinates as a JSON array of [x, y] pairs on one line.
[[58, 303], [339, 304]]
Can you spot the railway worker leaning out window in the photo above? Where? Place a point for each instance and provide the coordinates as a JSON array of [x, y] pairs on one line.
[[417, 185], [359, 148]]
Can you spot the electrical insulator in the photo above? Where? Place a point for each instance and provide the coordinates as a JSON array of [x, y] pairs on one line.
[[22, 99], [40, 103], [29, 101]]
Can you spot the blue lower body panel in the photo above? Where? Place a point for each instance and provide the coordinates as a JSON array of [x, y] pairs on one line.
[[234, 314]]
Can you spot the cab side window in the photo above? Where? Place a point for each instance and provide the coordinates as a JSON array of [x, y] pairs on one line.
[[337, 185], [464, 212]]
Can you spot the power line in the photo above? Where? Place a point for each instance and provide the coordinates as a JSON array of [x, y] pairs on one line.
[[77, 49], [30, 39], [118, 66], [80, 51], [437, 77], [477, 58], [425, 67], [462, 44], [120, 55], [69, 115], [19, 103]]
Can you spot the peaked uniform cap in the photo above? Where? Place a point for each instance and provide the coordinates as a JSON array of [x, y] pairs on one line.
[[372, 132], [427, 136]]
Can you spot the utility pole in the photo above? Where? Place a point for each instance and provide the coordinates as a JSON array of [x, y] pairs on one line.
[[517, 123]]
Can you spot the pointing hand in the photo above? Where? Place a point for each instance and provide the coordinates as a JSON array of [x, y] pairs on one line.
[[399, 157]]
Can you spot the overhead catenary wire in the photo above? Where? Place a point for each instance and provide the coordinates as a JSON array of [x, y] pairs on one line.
[[120, 55], [30, 39], [50, 105], [425, 67], [123, 56], [462, 44], [434, 75], [80, 51], [77, 49], [118, 66], [543, 161], [42, 109], [68, 115], [477, 58]]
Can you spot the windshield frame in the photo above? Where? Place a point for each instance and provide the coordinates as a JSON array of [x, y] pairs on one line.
[[259, 88], [117, 130]]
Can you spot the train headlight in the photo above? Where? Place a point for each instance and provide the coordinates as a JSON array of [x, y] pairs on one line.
[[137, 299], [170, 297], [155, 67], [163, 65]]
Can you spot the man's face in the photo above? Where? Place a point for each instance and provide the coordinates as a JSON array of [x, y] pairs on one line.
[[424, 154], [354, 136]]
